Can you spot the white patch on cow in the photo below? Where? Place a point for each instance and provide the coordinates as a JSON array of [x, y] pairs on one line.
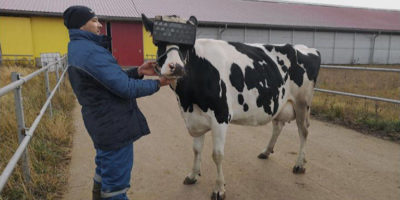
[[173, 58], [305, 50]]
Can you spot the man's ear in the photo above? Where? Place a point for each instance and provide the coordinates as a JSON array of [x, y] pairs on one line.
[[148, 24], [193, 20]]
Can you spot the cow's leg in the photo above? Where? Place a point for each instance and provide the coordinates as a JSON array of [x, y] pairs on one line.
[[276, 130], [218, 135], [302, 115], [198, 143]]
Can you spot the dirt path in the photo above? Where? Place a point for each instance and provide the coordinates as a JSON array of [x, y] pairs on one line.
[[342, 164]]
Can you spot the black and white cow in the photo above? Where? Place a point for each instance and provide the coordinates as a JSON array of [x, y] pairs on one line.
[[219, 82]]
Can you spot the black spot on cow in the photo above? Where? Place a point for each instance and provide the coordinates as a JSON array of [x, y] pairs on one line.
[[254, 77], [202, 86], [311, 63], [280, 62], [236, 77], [240, 99], [245, 107], [295, 71], [283, 92]]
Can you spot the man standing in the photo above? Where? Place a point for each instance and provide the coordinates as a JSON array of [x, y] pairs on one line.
[[108, 98]]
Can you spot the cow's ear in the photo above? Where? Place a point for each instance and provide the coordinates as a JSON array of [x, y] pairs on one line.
[[192, 20], [148, 24]]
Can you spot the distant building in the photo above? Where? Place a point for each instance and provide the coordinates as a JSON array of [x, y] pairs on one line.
[[343, 35]]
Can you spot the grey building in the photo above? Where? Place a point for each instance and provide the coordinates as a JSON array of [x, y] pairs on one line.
[[343, 35]]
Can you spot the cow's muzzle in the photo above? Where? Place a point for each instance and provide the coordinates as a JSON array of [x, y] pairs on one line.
[[176, 70]]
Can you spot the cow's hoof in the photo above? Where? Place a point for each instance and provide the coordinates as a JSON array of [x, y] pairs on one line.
[[217, 196], [262, 156], [189, 181], [299, 170]]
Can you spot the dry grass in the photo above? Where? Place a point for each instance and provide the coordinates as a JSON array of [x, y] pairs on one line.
[[51, 142], [378, 118]]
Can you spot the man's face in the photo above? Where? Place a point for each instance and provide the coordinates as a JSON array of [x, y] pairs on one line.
[[93, 26]]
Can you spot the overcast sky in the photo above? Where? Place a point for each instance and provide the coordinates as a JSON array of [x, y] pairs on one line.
[[380, 4]]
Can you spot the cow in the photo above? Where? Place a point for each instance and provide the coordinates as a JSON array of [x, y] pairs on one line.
[[218, 83]]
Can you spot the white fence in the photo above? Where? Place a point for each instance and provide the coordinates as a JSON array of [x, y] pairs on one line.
[[25, 134]]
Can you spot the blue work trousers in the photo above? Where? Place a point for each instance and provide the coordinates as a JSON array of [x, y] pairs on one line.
[[113, 172]]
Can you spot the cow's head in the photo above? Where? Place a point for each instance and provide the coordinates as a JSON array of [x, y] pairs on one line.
[[174, 37]]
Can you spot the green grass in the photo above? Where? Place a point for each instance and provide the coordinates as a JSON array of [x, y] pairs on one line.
[[377, 118], [51, 143]]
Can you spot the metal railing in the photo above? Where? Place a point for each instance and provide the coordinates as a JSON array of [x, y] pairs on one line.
[[25, 134], [359, 95]]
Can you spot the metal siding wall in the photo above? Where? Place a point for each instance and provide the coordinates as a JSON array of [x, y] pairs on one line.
[[335, 48], [16, 35], [281, 37], [362, 48], [233, 35], [49, 35], [381, 49], [395, 50], [257, 36], [343, 48], [324, 44], [207, 32], [303, 37], [149, 49]]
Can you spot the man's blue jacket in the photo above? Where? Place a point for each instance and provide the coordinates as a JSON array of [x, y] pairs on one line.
[[106, 92]]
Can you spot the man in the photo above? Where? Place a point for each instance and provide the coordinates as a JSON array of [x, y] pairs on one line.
[[108, 98]]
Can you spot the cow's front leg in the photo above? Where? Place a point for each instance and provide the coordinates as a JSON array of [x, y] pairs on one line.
[[198, 143], [218, 133]]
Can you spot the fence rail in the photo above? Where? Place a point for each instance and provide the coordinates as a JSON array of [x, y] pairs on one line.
[[24, 140], [359, 95]]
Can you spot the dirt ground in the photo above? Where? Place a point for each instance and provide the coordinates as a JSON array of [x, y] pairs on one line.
[[342, 164]]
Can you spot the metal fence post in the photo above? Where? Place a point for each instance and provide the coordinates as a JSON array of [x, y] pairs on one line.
[[57, 69], [46, 77], [19, 112]]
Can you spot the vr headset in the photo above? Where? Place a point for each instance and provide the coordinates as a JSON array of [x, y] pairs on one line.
[[173, 32]]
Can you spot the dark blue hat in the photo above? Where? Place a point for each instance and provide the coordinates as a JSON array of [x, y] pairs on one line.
[[77, 16]]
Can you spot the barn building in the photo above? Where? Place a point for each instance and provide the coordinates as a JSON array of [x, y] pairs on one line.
[[343, 35]]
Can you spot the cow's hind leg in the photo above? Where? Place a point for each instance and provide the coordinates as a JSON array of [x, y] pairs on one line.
[[198, 143], [276, 130], [302, 115], [218, 135]]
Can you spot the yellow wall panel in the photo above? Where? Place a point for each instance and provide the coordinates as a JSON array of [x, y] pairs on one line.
[[150, 50], [49, 35], [16, 35]]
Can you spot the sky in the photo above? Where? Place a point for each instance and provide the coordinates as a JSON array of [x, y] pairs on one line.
[[378, 4]]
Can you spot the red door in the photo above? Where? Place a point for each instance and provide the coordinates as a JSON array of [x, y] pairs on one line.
[[127, 43]]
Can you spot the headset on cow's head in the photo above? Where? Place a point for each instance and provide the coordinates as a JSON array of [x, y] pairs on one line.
[[171, 30]]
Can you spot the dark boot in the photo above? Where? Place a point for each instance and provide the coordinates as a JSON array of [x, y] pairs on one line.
[[96, 192]]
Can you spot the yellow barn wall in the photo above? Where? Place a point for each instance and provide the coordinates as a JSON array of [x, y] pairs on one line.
[[49, 35], [150, 50], [16, 35]]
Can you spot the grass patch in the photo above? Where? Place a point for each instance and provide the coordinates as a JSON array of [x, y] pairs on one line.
[[373, 117], [51, 143]]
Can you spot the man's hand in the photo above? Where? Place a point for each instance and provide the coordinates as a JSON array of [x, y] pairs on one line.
[[147, 68]]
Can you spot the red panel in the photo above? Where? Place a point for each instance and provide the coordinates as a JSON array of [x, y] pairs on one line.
[[127, 43]]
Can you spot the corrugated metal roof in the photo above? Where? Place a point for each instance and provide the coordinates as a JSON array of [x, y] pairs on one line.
[[112, 8], [227, 11]]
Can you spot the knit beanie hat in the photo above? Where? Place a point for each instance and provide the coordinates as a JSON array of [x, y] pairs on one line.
[[77, 16]]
